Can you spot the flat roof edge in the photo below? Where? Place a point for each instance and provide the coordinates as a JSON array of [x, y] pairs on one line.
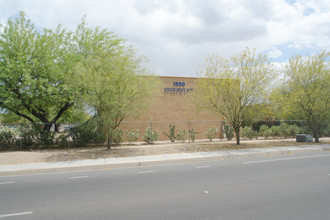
[[187, 77]]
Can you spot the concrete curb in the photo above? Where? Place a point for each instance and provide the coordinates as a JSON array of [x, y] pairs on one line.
[[166, 158]]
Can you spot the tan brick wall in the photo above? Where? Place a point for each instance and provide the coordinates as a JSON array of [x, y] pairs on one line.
[[174, 105]]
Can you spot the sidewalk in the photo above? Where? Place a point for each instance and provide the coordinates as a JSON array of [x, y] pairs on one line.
[[165, 158]]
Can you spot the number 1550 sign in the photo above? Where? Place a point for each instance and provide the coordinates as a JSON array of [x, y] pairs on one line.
[[180, 84]]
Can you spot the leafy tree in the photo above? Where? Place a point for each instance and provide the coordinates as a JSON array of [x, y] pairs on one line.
[[305, 93], [75, 114], [7, 117], [112, 84], [229, 86], [259, 112], [33, 66], [36, 67]]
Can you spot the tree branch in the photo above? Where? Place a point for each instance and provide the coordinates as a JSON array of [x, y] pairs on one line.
[[62, 110], [18, 113]]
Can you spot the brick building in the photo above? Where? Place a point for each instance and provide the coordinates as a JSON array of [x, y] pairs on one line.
[[173, 105]]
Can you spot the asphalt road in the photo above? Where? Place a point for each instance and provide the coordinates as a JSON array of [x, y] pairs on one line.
[[283, 187]]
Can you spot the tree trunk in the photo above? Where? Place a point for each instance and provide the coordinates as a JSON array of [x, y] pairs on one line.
[[57, 127], [237, 131], [109, 142], [316, 137], [47, 127]]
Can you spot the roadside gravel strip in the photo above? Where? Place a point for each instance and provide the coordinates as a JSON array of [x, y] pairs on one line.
[[165, 158]]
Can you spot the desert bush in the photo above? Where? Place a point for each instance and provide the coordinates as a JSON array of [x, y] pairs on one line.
[[171, 133], [229, 131], [29, 134], [265, 131], [210, 133], [150, 135], [294, 130], [275, 131], [132, 135], [192, 135], [7, 137], [88, 132], [182, 136], [46, 138], [248, 132], [285, 130], [33, 135], [326, 129], [117, 136], [62, 140]]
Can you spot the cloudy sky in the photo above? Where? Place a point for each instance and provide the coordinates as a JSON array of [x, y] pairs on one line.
[[177, 35]]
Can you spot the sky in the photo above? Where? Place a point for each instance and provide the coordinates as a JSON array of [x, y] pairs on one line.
[[177, 35]]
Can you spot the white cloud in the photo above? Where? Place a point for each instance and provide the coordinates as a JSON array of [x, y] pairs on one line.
[[177, 35], [274, 53]]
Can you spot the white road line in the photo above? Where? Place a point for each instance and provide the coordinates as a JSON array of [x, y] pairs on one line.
[[150, 171], [15, 214], [78, 177], [201, 167], [293, 158], [2, 183]]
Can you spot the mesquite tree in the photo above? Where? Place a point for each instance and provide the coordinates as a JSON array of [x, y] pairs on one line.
[[229, 86]]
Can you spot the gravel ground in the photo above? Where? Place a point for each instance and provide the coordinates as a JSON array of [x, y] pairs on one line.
[[21, 157]]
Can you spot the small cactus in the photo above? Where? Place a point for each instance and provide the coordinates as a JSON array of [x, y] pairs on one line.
[[171, 133]]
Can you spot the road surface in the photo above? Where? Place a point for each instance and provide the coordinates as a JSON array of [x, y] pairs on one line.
[[282, 187]]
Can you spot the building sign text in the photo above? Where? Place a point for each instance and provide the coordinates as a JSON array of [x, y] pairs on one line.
[[178, 88]]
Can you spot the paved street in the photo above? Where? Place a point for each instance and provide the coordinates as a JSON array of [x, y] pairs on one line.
[[293, 186]]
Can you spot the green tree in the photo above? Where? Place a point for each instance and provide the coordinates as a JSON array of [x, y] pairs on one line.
[[36, 67], [229, 86], [305, 93], [114, 85], [33, 65]]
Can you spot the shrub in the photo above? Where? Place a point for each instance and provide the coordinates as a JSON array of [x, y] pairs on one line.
[[150, 135], [285, 130], [171, 133], [132, 135], [325, 130], [294, 130], [46, 139], [89, 132], [248, 132], [211, 132], [182, 136], [229, 132], [192, 134], [32, 135], [7, 137], [265, 131], [275, 131], [80, 135], [117, 136], [62, 140], [29, 134]]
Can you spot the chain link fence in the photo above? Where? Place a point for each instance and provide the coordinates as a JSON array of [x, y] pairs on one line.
[[65, 135]]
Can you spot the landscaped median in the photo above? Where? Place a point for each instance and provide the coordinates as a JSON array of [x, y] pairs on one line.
[[122, 162], [162, 153]]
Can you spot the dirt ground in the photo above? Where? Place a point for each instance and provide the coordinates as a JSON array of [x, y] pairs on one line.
[[138, 149]]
